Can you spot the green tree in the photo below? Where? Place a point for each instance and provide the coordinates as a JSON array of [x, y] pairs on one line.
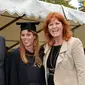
[[61, 2]]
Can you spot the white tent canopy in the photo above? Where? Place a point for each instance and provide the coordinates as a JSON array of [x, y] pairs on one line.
[[40, 9], [13, 10]]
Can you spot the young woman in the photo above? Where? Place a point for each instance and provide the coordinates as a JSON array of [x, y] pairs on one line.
[[24, 66], [64, 58]]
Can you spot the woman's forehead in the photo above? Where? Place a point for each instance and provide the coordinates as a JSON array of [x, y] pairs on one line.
[[26, 31]]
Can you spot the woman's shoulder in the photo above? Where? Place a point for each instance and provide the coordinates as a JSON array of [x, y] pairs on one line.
[[14, 51], [41, 51], [13, 54], [73, 41], [74, 38], [42, 48], [12, 58]]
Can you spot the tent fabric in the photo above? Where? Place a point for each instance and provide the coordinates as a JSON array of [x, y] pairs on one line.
[[40, 9]]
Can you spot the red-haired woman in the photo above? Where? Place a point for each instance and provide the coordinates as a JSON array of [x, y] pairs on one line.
[[64, 58]]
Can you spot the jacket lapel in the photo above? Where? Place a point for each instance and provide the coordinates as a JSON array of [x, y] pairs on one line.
[[61, 56], [63, 49]]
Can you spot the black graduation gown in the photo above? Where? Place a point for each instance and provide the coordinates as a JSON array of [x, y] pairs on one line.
[[19, 73]]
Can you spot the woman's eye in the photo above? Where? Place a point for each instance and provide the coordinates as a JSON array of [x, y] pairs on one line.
[[22, 35], [28, 34], [56, 23], [50, 24]]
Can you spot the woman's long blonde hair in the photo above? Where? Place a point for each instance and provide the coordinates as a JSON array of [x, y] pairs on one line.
[[35, 49]]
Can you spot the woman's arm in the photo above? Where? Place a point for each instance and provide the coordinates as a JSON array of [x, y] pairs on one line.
[[79, 60]]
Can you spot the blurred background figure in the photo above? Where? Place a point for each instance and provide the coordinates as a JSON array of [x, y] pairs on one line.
[[2, 58]]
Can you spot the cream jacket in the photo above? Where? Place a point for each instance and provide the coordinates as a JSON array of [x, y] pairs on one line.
[[70, 65]]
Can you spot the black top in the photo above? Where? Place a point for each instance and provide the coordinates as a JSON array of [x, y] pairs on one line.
[[51, 63], [52, 58], [19, 73]]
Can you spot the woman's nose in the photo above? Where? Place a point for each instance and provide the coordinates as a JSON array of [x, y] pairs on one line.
[[25, 36], [54, 25]]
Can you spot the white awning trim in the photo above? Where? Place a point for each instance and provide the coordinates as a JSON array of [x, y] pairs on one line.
[[40, 9]]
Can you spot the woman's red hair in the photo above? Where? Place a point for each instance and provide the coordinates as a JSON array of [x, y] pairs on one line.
[[66, 27]]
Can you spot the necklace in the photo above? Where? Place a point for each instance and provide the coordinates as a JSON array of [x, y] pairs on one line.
[[53, 61]]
